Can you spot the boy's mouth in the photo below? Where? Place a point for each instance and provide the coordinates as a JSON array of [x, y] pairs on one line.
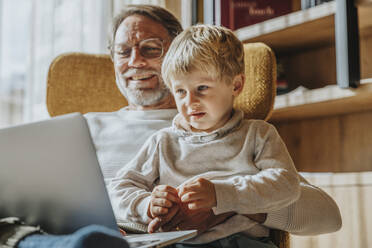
[[197, 115]]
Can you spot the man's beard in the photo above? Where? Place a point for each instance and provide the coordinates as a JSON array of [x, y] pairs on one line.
[[143, 97], [146, 97]]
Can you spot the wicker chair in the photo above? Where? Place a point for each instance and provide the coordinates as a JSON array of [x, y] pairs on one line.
[[84, 83]]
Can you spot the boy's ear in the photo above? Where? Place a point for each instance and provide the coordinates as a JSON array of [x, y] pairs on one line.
[[238, 84]]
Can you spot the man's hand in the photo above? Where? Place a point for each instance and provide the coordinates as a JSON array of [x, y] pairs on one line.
[[201, 220], [259, 218], [162, 199], [198, 194]]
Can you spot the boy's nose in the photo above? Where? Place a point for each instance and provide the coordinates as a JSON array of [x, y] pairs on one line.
[[191, 99], [136, 60]]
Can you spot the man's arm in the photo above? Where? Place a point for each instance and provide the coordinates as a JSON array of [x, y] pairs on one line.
[[315, 212]]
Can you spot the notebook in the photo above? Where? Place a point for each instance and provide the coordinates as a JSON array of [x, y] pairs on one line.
[[160, 239], [50, 177]]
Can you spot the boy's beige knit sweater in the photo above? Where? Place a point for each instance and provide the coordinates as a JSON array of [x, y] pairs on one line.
[[246, 160]]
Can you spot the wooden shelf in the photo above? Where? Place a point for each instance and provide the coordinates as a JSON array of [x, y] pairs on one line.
[[364, 18], [304, 29], [363, 2], [327, 101]]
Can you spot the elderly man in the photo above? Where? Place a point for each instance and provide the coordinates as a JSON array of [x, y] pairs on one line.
[[140, 37]]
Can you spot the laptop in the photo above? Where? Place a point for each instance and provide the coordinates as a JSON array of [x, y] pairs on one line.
[[50, 176]]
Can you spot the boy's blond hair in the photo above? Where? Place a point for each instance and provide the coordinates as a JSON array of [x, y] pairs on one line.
[[212, 49]]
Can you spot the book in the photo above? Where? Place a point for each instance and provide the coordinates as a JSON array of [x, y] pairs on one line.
[[305, 4], [235, 14], [282, 86]]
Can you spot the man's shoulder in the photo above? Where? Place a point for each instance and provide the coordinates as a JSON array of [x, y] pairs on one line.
[[99, 115], [135, 115], [99, 118], [97, 121]]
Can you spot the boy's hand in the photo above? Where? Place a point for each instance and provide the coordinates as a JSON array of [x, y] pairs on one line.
[[199, 193], [162, 199], [159, 221]]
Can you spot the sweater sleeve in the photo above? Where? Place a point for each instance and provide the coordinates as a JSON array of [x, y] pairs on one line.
[[276, 185], [315, 212], [130, 189]]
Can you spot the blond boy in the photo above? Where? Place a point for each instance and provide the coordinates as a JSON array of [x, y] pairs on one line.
[[210, 158]]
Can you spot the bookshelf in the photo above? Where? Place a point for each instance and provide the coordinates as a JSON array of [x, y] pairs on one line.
[[306, 39], [304, 29], [327, 101], [295, 31], [325, 127], [363, 2]]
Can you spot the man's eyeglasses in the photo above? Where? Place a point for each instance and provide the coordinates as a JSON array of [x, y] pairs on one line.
[[150, 49]]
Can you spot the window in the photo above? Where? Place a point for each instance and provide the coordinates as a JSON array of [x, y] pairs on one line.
[[32, 34]]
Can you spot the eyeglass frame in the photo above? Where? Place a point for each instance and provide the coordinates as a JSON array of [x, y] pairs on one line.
[[114, 51]]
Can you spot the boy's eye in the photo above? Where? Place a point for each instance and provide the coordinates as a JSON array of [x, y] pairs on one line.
[[202, 87], [180, 91]]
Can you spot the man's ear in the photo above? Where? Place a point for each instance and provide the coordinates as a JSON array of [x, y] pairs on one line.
[[238, 84]]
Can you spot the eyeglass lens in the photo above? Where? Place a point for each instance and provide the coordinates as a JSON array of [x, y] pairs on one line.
[[150, 48]]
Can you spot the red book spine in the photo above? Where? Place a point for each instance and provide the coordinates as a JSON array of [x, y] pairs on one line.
[[239, 13]]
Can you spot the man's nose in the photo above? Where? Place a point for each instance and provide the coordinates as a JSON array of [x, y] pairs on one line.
[[136, 60]]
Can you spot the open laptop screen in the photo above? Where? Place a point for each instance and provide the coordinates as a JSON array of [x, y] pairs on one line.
[[50, 176]]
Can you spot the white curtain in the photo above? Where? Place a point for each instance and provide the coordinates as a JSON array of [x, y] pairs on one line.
[[32, 34]]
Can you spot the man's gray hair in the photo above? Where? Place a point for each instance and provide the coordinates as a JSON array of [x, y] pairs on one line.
[[156, 13]]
